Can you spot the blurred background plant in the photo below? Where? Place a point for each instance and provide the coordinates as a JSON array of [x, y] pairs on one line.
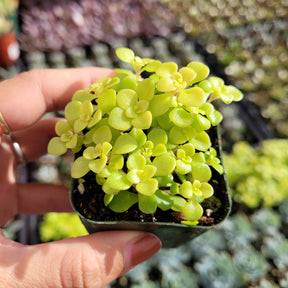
[[258, 177], [245, 43], [8, 9]]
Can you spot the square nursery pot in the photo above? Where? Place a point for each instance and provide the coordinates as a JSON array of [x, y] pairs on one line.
[[162, 224]]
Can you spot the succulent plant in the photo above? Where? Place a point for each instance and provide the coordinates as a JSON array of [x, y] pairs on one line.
[[251, 263], [7, 8], [258, 176], [56, 226], [218, 270], [276, 249], [146, 140]]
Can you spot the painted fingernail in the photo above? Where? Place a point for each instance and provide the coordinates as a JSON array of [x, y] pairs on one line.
[[140, 250]]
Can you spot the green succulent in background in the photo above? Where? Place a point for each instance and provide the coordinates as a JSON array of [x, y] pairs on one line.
[[258, 177], [57, 226], [7, 10], [147, 140]]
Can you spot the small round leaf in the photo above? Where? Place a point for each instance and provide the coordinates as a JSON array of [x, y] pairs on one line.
[[80, 167], [56, 146], [125, 143], [125, 54], [165, 164], [147, 204]]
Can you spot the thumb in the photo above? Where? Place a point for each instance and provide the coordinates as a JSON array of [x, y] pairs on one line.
[[89, 261]]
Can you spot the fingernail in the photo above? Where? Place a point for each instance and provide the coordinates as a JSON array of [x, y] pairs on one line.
[[140, 250]]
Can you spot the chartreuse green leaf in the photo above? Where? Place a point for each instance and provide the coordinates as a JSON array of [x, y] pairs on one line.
[[166, 69], [127, 83], [116, 162], [152, 65], [164, 200], [164, 120], [193, 97], [125, 143], [147, 149], [79, 125], [98, 165], [126, 98], [201, 172], [166, 84], [142, 121], [56, 146], [202, 71], [206, 85], [125, 54], [95, 118], [123, 201], [207, 190], [115, 182], [174, 189], [182, 167], [107, 101], [196, 187], [134, 176], [157, 136], [189, 149], [201, 123], [215, 117], [62, 127], [102, 134], [186, 189], [178, 203], [212, 160], [83, 95], [192, 210], [216, 81], [181, 117], [73, 110], [136, 161], [148, 172], [80, 167], [91, 153], [141, 106], [165, 164], [160, 104], [230, 93], [188, 75], [159, 149], [207, 108], [70, 139], [147, 204], [201, 141], [237, 94], [147, 187], [108, 198], [139, 136], [177, 136], [106, 148], [118, 120], [165, 181], [145, 89]]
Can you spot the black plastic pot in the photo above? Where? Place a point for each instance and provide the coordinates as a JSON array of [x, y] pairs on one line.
[[171, 234]]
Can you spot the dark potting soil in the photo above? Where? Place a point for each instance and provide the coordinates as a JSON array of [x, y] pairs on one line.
[[91, 203]]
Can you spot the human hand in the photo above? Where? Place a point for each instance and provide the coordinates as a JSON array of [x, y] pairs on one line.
[[88, 261]]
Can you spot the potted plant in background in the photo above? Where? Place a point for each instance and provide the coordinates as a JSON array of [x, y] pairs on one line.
[[147, 149], [9, 48]]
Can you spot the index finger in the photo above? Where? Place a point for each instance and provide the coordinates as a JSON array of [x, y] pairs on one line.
[[25, 98]]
